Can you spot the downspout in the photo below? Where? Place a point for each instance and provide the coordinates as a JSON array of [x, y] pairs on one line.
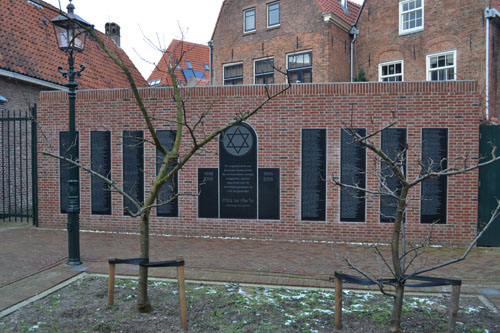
[[489, 13], [210, 45], [354, 32]]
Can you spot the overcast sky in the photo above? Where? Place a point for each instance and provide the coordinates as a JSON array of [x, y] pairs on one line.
[[160, 21]]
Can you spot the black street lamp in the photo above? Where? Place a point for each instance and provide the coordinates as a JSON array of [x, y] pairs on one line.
[[70, 33]]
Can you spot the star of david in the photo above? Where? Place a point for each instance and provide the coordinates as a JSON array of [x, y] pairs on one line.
[[237, 140]]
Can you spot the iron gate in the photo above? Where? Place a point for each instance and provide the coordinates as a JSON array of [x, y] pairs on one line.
[[18, 159], [489, 186]]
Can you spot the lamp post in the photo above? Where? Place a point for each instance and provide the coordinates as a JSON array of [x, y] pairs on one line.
[[70, 33]]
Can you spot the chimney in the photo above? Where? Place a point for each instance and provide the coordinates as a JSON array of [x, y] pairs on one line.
[[113, 30]]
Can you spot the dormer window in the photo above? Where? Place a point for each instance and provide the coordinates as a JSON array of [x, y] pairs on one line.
[[249, 17], [188, 64], [155, 82], [411, 16], [273, 14]]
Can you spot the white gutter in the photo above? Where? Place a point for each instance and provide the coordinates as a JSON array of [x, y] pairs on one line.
[[354, 32], [489, 13], [31, 80]]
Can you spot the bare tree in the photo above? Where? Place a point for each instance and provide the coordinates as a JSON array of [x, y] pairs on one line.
[[395, 187], [190, 137]]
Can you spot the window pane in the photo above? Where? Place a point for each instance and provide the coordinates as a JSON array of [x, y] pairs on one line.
[[434, 76], [451, 74], [307, 76], [442, 75], [250, 20], [441, 61], [294, 77], [273, 14], [449, 59], [405, 7], [419, 3], [433, 62], [384, 70], [411, 5], [398, 68], [399, 78]]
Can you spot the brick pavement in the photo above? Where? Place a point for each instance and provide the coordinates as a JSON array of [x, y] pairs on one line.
[[26, 251]]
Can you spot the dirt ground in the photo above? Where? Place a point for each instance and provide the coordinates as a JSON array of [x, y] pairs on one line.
[[81, 307]]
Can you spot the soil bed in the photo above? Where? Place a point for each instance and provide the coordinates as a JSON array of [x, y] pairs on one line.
[[81, 307]]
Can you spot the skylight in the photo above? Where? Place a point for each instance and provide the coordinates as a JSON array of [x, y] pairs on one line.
[[188, 64]]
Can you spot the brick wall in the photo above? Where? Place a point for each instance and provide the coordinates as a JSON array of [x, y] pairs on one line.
[[302, 29], [453, 105]]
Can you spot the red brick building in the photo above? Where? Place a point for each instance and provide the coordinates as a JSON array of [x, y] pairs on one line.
[[297, 137], [253, 39], [191, 63], [29, 56], [424, 40]]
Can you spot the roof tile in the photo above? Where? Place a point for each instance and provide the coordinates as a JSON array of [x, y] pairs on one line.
[[197, 54], [28, 46], [333, 6]]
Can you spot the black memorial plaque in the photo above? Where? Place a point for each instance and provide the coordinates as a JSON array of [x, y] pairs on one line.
[[100, 162], [269, 194], [208, 189], [434, 191], [238, 173], [64, 145], [352, 172], [313, 193], [133, 168], [170, 188], [393, 143]]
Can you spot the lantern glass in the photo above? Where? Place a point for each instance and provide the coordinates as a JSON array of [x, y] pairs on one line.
[[69, 38]]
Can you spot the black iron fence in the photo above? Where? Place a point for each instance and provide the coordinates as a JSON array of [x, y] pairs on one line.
[[18, 160]]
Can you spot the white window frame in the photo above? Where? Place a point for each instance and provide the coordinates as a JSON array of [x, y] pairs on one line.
[[279, 13], [255, 62], [388, 63], [229, 65], [437, 54], [403, 31], [245, 20], [296, 54]]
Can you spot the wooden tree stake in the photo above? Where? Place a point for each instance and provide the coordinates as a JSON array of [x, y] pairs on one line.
[[182, 294], [338, 303], [111, 283]]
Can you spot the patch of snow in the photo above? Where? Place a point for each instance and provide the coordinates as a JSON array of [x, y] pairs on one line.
[[323, 311]]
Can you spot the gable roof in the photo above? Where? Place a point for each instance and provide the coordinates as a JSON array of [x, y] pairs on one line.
[[28, 46], [326, 7], [197, 55], [333, 6]]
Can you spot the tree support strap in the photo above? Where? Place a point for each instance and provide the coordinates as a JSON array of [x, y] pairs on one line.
[[146, 262], [179, 263], [427, 281]]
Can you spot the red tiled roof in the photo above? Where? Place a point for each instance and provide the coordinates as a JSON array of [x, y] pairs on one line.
[[28, 46], [197, 54], [329, 6]]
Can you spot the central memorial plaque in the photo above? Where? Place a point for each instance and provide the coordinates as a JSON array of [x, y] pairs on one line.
[[238, 173], [434, 191]]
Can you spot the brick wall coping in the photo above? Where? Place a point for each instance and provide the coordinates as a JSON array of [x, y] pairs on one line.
[[326, 89]]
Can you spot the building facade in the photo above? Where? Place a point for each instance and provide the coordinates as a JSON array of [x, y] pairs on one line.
[[424, 40], [255, 41]]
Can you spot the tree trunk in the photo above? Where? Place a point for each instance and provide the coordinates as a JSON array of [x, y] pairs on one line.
[[396, 310], [143, 304]]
